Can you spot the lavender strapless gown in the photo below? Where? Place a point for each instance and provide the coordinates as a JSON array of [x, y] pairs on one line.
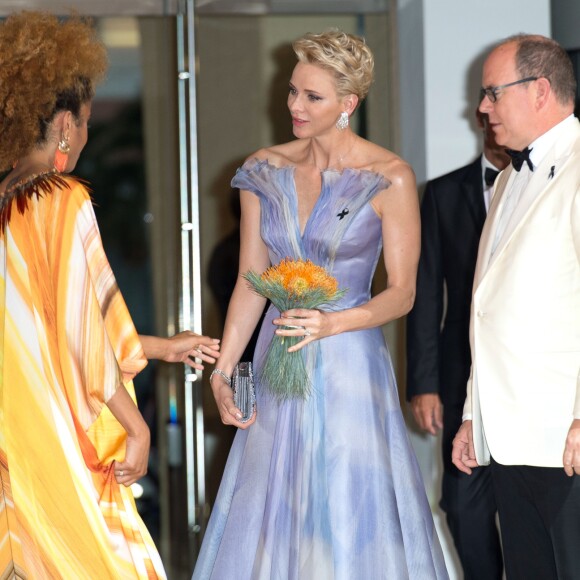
[[327, 488]]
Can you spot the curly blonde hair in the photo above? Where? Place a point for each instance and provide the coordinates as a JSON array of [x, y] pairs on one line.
[[346, 56], [46, 66]]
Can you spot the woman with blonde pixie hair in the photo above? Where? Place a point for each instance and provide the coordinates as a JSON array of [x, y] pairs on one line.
[[351, 63], [72, 440], [323, 485]]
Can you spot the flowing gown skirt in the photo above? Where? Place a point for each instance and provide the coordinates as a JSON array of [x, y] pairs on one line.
[[327, 487]]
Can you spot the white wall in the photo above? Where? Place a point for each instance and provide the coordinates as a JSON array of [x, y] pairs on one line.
[[456, 34]]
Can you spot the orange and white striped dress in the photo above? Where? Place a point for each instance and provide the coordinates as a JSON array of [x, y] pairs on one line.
[[66, 342]]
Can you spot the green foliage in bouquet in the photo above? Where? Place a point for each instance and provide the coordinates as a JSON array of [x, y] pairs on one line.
[[291, 284]]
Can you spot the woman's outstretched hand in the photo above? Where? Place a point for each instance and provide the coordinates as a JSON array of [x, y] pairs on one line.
[[187, 346], [183, 347]]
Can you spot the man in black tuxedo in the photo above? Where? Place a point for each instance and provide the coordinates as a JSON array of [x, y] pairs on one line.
[[453, 210]]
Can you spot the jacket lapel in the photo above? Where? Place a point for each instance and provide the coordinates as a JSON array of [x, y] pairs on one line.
[[472, 189], [502, 184], [539, 186]]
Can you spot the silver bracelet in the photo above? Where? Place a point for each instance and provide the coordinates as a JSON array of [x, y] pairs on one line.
[[221, 373]]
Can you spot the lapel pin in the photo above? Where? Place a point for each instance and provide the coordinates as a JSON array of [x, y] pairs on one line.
[[551, 172], [342, 213]]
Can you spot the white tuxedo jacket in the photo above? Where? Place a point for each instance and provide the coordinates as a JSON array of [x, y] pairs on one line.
[[524, 388]]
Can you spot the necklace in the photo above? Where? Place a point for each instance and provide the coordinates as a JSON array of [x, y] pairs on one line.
[[342, 157], [339, 165]]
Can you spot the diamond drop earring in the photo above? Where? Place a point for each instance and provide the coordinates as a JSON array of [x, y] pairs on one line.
[[342, 122]]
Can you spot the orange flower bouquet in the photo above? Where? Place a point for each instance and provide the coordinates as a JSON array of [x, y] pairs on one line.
[[291, 284]]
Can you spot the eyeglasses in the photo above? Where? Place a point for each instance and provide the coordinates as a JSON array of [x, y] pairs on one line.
[[491, 92]]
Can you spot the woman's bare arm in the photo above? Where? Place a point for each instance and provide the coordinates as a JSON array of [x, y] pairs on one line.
[[398, 208], [245, 307]]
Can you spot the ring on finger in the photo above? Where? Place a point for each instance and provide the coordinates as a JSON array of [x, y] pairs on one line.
[[121, 473], [307, 332]]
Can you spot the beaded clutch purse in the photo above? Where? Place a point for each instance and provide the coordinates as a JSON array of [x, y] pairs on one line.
[[244, 391]]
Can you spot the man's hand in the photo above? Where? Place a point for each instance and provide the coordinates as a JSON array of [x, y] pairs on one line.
[[572, 450], [463, 454], [428, 412]]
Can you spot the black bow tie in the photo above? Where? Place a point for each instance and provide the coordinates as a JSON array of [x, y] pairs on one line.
[[490, 175], [518, 158]]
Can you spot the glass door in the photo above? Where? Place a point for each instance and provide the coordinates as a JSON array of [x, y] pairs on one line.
[[187, 98]]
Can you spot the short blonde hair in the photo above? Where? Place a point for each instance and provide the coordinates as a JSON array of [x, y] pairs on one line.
[[346, 56]]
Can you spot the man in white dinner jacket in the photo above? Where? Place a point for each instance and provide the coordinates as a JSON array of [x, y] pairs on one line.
[[522, 411]]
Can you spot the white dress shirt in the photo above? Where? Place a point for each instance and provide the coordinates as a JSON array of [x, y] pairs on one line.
[[538, 150]]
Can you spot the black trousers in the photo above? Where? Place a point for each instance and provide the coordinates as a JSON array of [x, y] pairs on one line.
[[539, 512], [469, 504]]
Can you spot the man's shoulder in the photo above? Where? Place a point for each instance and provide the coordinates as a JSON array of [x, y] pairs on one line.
[[467, 172]]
